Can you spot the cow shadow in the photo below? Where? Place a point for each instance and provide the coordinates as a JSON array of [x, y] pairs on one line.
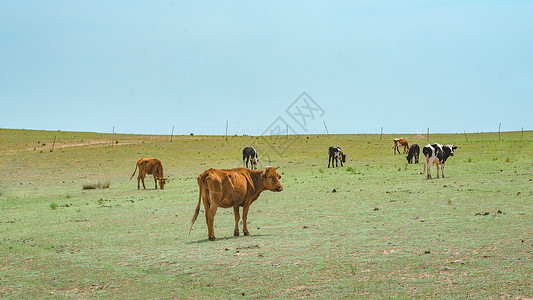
[[226, 238]]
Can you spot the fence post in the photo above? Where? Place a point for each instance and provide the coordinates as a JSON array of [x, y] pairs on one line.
[[499, 132], [172, 134], [53, 144], [226, 136]]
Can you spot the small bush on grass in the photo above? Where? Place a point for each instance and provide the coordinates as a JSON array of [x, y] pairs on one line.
[[53, 205], [99, 185]]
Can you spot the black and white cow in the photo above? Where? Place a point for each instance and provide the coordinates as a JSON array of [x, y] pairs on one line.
[[335, 153], [249, 154], [436, 154], [414, 151]]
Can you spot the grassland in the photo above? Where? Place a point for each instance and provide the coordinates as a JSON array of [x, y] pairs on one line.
[[386, 231]]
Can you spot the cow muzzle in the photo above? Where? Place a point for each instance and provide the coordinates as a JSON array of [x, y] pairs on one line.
[[279, 188]]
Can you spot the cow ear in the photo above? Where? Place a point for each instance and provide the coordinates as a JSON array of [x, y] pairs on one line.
[[263, 175], [454, 147], [276, 167]]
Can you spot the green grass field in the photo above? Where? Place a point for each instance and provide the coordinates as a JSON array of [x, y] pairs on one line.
[[386, 231]]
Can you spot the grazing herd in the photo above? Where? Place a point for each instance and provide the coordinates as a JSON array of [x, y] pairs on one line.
[[242, 186]]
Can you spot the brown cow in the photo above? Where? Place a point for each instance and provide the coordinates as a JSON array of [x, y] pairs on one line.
[[150, 166], [400, 142], [233, 188]]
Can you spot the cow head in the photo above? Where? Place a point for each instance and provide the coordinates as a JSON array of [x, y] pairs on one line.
[[449, 149], [343, 158], [162, 181], [271, 179], [254, 161]]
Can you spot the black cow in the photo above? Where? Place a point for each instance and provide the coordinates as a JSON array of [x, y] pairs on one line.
[[249, 154], [436, 154], [335, 153], [414, 151]]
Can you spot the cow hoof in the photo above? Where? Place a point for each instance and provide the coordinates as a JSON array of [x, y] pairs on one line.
[[235, 233], [246, 233], [212, 238]]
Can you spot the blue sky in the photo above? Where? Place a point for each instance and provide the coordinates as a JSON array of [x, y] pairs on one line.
[[144, 67]]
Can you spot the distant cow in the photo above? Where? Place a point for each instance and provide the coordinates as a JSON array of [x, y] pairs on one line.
[[335, 154], [233, 188], [249, 154], [414, 151], [436, 154], [150, 166], [400, 142]]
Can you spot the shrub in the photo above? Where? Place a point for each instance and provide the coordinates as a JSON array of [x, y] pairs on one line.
[[98, 185], [53, 205]]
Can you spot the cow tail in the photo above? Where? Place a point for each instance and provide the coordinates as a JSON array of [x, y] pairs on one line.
[[201, 185], [134, 171], [196, 212]]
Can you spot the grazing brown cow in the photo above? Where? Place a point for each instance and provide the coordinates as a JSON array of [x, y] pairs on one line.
[[150, 166], [233, 188], [400, 142]]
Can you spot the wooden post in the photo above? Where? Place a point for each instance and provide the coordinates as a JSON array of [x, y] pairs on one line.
[[428, 134], [522, 132], [226, 136], [499, 132], [53, 144], [113, 137], [326, 127], [172, 134], [381, 136], [466, 136]]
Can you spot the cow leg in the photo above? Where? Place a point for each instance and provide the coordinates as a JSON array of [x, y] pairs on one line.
[[329, 160], [210, 218], [155, 180], [237, 219], [428, 167], [138, 182], [245, 209], [142, 179], [442, 170]]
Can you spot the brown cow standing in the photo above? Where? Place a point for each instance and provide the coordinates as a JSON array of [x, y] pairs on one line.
[[400, 142], [150, 166], [233, 188]]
